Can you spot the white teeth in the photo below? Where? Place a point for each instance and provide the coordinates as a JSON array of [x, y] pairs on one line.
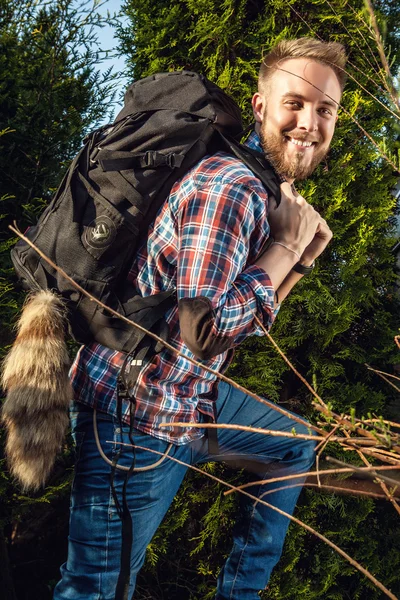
[[299, 142]]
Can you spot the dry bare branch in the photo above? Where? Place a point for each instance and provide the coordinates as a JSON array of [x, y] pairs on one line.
[[378, 71], [331, 488], [220, 376], [348, 469], [382, 372], [327, 541], [340, 463], [381, 50], [351, 76]]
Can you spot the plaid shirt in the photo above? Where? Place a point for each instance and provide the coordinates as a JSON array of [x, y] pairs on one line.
[[206, 236]]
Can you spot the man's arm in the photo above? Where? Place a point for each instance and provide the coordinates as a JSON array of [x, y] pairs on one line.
[[221, 229], [300, 232], [219, 295]]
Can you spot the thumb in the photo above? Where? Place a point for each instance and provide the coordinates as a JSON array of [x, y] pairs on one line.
[[286, 189]]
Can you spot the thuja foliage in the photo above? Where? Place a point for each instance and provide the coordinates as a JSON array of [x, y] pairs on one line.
[[334, 322], [51, 94]]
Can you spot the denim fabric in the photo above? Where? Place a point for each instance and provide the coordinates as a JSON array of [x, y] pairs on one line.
[[92, 568]]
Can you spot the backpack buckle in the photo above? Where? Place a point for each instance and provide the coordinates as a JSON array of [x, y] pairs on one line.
[[152, 159], [149, 159], [93, 155], [170, 161]]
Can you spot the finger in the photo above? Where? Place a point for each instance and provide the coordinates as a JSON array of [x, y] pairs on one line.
[[323, 230], [295, 193], [323, 224], [300, 200], [286, 188]]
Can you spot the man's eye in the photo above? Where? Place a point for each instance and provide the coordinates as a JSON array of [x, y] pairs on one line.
[[325, 111], [293, 103]]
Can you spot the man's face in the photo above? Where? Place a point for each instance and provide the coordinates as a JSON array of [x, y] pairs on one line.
[[297, 120]]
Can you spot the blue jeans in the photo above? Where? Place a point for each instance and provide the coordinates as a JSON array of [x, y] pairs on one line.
[[92, 568]]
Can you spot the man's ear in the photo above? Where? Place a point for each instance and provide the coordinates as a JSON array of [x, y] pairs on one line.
[[258, 103]]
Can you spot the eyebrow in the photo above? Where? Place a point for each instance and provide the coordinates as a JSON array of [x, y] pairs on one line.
[[301, 97]]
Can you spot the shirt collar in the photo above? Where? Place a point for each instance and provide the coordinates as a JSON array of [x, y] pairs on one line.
[[253, 142]]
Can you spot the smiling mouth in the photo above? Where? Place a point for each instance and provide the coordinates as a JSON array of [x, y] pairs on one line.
[[301, 143]]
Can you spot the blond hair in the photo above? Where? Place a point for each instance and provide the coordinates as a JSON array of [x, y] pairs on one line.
[[331, 54]]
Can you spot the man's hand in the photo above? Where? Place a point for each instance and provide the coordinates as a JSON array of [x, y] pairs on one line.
[[322, 237], [297, 225]]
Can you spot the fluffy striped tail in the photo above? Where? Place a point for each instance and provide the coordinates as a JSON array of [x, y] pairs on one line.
[[35, 375]]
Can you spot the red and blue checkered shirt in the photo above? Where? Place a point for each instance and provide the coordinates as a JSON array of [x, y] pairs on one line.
[[206, 236]]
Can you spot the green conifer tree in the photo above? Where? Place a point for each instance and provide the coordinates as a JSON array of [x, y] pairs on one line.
[[334, 322], [51, 94]]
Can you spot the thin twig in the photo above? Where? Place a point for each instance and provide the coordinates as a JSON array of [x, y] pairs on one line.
[[280, 352], [382, 372], [158, 339], [389, 110], [372, 33], [357, 45], [365, 470], [381, 50], [321, 447], [376, 454], [271, 432], [386, 379], [351, 560], [381, 451], [385, 92], [390, 495], [325, 486], [380, 480], [360, 441], [287, 361], [377, 421], [346, 421], [328, 437], [360, 18], [340, 463]]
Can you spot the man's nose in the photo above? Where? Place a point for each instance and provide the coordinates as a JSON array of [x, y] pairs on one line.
[[307, 119]]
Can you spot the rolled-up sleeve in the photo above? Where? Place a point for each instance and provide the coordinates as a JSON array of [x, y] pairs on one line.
[[222, 229]]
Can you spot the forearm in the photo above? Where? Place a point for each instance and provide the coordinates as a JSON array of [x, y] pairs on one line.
[[296, 225], [278, 262], [287, 285]]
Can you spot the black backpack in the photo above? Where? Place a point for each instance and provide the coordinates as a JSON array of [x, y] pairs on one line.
[[112, 192]]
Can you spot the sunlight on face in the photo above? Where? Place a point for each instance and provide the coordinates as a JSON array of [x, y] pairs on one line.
[[298, 120]]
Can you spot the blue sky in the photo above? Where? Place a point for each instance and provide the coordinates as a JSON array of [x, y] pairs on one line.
[[108, 42]]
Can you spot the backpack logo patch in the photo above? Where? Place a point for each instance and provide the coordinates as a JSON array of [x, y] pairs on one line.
[[100, 233]]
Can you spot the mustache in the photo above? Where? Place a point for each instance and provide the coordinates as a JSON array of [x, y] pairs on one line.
[[303, 137]]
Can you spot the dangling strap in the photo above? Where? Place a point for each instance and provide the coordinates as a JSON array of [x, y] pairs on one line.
[[122, 467], [213, 444]]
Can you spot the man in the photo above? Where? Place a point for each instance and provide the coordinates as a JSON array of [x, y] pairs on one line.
[[208, 242]]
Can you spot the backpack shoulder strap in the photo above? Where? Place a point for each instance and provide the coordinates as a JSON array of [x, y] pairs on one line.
[[257, 163]]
